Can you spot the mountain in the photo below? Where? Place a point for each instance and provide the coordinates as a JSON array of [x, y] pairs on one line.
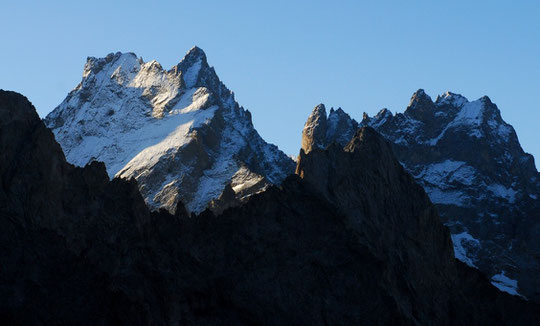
[[179, 132], [470, 162], [350, 239]]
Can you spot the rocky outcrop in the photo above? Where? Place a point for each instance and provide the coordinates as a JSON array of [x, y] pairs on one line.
[[348, 241], [179, 133], [473, 168], [321, 130]]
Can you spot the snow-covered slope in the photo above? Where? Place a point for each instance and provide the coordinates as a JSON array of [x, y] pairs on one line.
[[180, 132], [470, 162]]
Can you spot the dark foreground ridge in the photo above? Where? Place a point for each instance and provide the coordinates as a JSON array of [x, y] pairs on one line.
[[350, 239]]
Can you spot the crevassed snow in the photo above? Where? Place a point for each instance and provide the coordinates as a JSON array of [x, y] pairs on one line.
[[501, 191], [460, 242], [505, 284]]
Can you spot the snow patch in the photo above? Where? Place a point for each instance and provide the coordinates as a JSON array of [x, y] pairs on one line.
[[448, 172], [192, 74], [446, 197], [469, 118], [501, 191], [461, 242], [453, 99], [500, 129], [505, 284], [172, 132]]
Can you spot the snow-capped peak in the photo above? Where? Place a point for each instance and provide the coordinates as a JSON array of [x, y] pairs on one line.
[[178, 132], [195, 54], [451, 98]]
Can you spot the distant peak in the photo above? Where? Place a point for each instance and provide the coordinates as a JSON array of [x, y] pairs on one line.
[[420, 96], [485, 99], [95, 65], [195, 69], [194, 54], [421, 106], [451, 98], [420, 92], [384, 112], [340, 111]]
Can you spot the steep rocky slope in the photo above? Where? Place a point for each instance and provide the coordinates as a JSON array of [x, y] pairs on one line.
[[351, 240], [473, 168], [179, 133]]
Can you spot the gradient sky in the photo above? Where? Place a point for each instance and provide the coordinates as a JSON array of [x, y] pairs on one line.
[[281, 59]]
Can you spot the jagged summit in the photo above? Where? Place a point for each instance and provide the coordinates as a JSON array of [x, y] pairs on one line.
[[195, 53], [470, 163], [419, 97], [420, 106], [179, 133], [321, 129], [320, 109], [451, 98]]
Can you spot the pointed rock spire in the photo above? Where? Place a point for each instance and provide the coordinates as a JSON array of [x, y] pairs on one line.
[[421, 107], [341, 128], [195, 53], [192, 66], [314, 132], [420, 98]]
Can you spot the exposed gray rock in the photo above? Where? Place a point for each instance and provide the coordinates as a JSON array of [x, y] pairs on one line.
[[484, 185]]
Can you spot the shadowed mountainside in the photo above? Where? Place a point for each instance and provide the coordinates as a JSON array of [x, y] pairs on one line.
[[351, 239]]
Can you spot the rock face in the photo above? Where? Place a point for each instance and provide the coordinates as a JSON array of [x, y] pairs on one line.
[[179, 133], [351, 240], [473, 168], [321, 130]]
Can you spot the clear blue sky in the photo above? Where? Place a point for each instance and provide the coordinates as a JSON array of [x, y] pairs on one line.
[[281, 59]]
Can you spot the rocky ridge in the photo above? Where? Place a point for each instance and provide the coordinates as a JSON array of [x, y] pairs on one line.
[[470, 162], [351, 239], [179, 132]]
